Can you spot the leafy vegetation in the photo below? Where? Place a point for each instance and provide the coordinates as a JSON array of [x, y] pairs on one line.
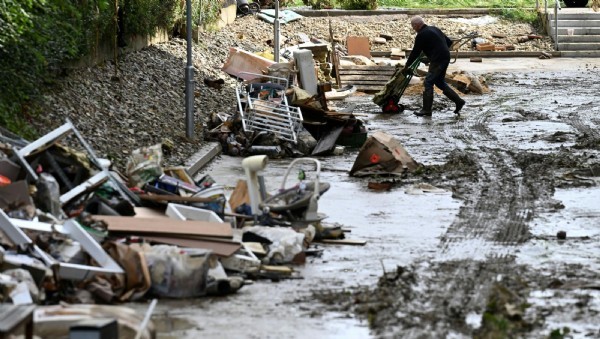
[[458, 3], [358, 4], [38, 36], [521, 15]]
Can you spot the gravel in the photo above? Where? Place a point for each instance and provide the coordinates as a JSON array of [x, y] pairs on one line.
[[143, 104]]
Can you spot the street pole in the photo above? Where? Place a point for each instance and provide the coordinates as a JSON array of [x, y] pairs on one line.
[[276, 32], [189, 76]]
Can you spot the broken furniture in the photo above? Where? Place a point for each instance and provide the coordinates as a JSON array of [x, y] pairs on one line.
[[12, 229], [263, 106], [183, 212], [39, 147], [306, 70], [239, 63]]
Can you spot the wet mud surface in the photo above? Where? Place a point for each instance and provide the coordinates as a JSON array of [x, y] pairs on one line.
[[506, 156], [482, 259]]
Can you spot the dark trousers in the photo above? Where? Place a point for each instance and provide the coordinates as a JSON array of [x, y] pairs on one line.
[[436, 76]]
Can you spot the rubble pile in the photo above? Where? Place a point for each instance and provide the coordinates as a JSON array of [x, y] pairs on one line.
[[74, 229], [143, 102]]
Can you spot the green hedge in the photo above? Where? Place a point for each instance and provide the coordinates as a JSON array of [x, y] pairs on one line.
[[38, 36]]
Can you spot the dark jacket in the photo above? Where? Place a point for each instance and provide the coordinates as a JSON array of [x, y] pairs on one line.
[[434, 43]]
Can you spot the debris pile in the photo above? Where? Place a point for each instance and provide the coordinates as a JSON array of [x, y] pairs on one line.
[[76, 230], [283, 109]]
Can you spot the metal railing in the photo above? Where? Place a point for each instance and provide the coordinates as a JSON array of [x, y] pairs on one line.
[[557, 8]]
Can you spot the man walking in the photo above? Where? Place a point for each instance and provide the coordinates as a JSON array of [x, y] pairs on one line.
[[435, 45]]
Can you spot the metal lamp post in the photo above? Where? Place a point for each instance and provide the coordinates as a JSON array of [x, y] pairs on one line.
[[189, 76], [276, 33]]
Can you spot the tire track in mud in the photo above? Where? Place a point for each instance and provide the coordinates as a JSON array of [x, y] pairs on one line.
[[478, 246], [475, 259]]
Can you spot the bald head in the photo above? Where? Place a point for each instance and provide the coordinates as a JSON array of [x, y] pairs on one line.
[[417, 23]]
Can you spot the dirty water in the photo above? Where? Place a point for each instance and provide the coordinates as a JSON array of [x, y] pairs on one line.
[[571, 265], [480, 260]]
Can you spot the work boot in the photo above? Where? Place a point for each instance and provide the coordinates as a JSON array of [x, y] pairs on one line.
[[427, 103], [456, 99]]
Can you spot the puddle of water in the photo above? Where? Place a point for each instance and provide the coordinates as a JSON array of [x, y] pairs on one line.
[[579, 218], [527, 135], [163, 323], [567, 307]]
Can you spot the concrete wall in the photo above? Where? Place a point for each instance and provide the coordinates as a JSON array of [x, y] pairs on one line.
[[105, 50]]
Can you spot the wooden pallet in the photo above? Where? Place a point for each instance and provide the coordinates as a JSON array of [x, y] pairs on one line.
[[366, 78]]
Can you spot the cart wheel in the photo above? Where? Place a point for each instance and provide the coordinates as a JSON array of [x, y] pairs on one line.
[[392, 107]]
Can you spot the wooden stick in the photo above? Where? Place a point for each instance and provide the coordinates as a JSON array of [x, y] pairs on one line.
[[334, 56]]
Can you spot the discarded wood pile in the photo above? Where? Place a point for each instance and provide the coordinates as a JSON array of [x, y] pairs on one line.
[[366, 78]]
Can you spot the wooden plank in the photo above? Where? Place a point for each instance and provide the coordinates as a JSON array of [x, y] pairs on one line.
[[369, 88], [363, 77], [165, 198], [364, 83], [355, 72], [327, 142], [256, 248], [370, 68], [239, 61], [276, 269], [167, 226], [355, 242], [220, 248], [381, 54]]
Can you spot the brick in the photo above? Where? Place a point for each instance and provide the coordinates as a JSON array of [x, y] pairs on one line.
[[486, 47]]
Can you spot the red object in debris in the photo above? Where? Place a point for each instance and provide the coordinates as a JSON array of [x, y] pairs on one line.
[[374, 158], [4, 181], [39, 169], [136, 190]]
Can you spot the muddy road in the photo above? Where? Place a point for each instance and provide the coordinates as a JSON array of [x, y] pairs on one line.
[[480, 258]]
